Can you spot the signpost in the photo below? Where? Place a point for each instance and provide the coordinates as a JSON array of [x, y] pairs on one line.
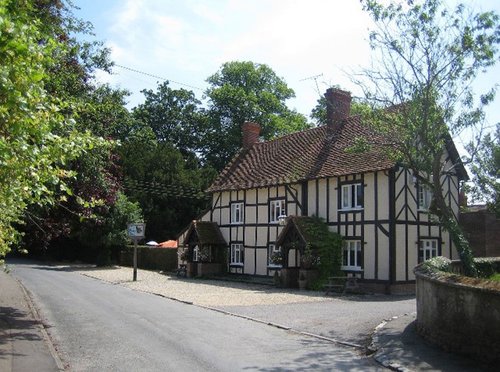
[[136, 232]]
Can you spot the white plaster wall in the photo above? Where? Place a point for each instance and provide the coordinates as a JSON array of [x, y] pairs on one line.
[[249, 263], [261, 262], [400, 253], [383, 255]]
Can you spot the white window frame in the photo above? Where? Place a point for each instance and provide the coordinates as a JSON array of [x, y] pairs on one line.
[[237, 213], [429, 248], [236, 254], [349, 196], [351, 248], [273, 248], [277, 208], [424, 197]]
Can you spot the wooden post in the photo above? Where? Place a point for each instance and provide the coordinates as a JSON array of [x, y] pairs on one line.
[[135, 260]]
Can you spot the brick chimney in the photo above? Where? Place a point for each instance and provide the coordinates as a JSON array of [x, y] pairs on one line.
[[250, 132], [338, 108]]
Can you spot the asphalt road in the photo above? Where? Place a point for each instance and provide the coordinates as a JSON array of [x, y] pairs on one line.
[[351, 318], [97, 326]]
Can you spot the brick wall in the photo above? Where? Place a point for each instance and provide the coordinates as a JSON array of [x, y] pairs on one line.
[[482, 229]]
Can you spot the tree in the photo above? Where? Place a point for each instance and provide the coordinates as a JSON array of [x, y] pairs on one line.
[[36, 140], [486, 171], [99, 110], [246, 91], [428, 58], [174, 115], [167, 184]]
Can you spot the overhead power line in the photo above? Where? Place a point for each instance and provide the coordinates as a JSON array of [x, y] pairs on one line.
[[156, 76]]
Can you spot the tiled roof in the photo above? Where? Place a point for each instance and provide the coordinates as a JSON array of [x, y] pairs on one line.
[[312, 230], [207, 233], [305, 155]]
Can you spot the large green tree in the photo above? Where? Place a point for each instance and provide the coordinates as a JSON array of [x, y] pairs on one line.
[[97, 109], [174, 116], [486, 170], [428, 57], [246, 91], [37, 140], [167, 183]]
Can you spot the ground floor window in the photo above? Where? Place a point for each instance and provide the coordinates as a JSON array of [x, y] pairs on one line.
[[352, 255], [428, 248], [275, 255], [196, 253], [236, 254]]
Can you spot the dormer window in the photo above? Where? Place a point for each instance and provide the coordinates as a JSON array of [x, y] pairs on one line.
[[352, 196]]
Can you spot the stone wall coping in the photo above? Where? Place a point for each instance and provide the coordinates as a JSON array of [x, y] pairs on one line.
[[455, 280]]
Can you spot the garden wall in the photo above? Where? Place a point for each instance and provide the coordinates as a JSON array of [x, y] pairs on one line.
[[459, 314], [150, 258]]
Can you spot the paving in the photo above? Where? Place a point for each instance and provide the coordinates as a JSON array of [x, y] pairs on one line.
[[24, 344], [382, 325]]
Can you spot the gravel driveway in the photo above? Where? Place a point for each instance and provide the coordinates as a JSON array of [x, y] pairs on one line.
[[350, 318]]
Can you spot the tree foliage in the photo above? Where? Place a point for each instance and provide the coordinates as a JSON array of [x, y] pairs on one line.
[[486, 171], [428, 56], [37, 141], [174, 116], [89, 196], [166, 183], [246, 91]]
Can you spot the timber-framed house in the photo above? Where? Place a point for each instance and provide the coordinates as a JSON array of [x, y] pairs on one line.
[[378, 207]]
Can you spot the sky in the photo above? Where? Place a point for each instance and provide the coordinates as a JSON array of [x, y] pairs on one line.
[[311, 44]]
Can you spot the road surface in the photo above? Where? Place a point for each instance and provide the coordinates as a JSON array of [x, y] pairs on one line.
[[97, 326]]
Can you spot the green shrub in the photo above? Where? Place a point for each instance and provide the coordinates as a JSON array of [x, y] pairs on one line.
[[486, 267], [438, 263]]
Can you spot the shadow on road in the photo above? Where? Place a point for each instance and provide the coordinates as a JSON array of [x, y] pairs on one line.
[[15, 325]]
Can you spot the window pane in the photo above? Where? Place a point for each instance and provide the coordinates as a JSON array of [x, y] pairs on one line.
[[359, 195], [352, 257], [346, 196]]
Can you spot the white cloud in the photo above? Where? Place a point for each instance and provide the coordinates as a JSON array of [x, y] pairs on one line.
[[187, 41]]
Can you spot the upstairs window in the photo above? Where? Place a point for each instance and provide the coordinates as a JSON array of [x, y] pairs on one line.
[[236, 254], [237, 213], [277, 209], [424, 197], [352, 196], [352, 255]]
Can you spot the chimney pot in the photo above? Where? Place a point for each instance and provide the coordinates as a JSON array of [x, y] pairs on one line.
[[338, 108], [250, 133]]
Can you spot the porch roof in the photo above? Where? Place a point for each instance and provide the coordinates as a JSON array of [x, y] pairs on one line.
[[207, 233], [310, 229]]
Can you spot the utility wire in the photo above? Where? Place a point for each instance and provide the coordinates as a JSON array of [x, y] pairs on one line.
[[157, 77]]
